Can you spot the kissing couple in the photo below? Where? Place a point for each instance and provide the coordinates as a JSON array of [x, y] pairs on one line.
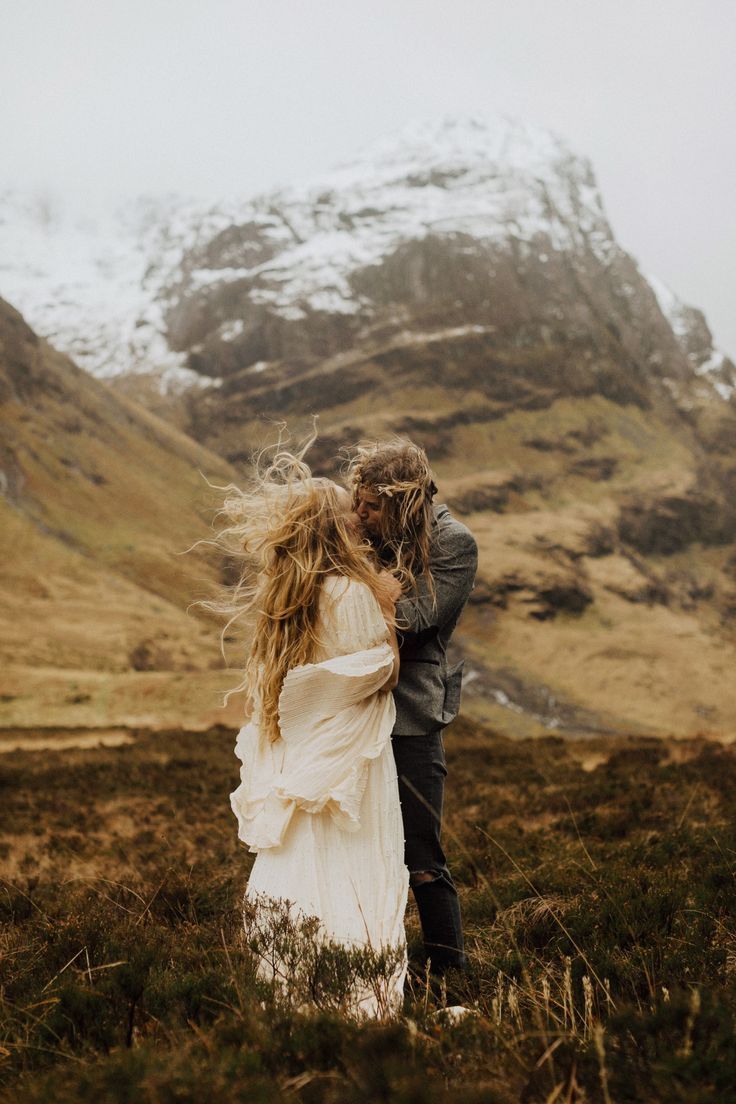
[[352, 597]]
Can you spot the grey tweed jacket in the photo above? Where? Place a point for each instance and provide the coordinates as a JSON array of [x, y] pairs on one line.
[[428, 693]]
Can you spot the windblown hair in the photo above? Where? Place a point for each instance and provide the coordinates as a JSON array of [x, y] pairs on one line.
[[289, 530], [398, 472]]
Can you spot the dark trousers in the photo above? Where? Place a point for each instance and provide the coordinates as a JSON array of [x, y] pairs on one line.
[[420, 764]]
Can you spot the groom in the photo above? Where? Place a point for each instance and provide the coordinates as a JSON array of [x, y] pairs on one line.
[[435, 558]]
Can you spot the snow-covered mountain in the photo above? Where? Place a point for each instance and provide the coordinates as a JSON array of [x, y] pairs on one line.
[[159, 282], [459, 177]]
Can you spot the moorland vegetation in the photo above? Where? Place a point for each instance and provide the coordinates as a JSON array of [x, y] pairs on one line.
[[597, 881]]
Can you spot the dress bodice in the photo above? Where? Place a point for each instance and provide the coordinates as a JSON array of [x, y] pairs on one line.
[[350, 619], [333, 718]]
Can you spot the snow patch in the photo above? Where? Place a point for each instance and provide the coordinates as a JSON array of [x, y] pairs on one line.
[[78, 270], [679, 315], [488, 180]]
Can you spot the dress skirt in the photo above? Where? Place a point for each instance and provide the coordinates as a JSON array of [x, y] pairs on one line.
[[320, 807]]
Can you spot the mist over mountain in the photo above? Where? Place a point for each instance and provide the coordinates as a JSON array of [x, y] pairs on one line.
[[79, 268]]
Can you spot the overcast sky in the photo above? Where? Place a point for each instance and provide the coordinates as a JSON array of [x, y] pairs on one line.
[[217, 96]]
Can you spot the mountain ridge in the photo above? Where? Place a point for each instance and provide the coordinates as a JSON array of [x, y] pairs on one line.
[[101, 278]]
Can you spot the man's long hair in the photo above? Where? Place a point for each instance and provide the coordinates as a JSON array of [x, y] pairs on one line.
[[288, 530], [398, 473]]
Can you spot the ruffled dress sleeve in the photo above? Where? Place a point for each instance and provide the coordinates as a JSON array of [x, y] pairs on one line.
[[334, 719]]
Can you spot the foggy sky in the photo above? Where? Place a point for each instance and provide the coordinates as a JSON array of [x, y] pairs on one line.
[[237, 96]]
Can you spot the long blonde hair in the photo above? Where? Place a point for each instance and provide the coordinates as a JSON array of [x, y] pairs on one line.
[[289, 530]]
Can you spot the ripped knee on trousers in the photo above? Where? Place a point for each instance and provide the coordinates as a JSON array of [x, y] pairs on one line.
[[422, 877]]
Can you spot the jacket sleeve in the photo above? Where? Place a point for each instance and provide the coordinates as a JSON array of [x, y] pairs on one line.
[[453, 565]]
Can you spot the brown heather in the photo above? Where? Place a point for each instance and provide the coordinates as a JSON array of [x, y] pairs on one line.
[[597, 886]]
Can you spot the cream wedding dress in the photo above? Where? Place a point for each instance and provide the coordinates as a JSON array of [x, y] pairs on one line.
[[320, 805]]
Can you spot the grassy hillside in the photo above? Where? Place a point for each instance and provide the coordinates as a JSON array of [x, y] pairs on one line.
[[597, 885], [606, 524], [605, 521], [100, 502]]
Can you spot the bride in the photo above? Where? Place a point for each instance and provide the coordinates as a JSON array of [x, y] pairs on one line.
[[318, 797]]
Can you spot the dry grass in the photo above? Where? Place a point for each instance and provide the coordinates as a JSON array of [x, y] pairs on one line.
[[101, 500], [42, 703], [652, 651], [598, 907]]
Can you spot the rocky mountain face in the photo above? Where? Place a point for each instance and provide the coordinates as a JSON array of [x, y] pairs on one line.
[[98, 502], [488, 233], [461, 284], [143, 285]]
